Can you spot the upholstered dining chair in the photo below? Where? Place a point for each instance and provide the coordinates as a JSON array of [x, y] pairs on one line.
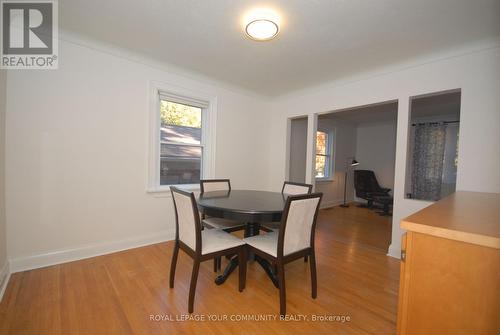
[[200, 244], [292, 188], [212, 185], [294, 240], [289, 188]]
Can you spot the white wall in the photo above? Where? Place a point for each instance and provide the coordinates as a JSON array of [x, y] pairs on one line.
[[344, 135], [298, 150], [3, 226], [476, 71], [376, 150], [77, 155], [77, 144]]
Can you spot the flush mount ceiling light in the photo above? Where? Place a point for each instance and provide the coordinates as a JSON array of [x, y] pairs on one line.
[[262, 24], [262, 29]]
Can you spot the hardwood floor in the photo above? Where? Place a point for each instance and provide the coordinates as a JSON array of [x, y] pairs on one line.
[[121, 293], [362, 226]]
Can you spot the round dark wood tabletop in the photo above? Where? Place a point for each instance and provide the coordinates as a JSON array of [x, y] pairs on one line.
[[243, 205]]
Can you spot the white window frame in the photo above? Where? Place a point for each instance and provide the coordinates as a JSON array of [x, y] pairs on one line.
[[329, 162], [208, 105]]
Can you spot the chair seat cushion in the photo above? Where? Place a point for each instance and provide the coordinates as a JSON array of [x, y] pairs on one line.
[[267, 243], [213, 240], [275, 226], [219, 223]]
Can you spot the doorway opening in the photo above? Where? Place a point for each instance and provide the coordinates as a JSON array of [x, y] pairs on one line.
[[432, 159], [354, 169]]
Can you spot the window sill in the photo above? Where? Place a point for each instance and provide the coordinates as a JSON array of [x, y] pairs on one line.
[[324, 180], [164, 190]]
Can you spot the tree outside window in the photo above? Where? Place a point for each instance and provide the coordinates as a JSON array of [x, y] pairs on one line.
[[323, 155]]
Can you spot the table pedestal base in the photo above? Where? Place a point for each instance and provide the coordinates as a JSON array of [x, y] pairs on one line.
[[251, 229], [233, 264], [269, 270]]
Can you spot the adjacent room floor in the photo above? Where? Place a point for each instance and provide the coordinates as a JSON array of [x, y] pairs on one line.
[[127, 292], [361, 226]]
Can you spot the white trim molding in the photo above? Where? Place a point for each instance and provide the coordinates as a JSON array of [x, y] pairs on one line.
[[4, 278], [87, 251], [312, 127], [394, 252], [209, 123], [331, 203]]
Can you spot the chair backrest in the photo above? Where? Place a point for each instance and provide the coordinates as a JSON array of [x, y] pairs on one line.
[[211, 185], [298, 223], [292, 188], [187, 220], [365, 181]]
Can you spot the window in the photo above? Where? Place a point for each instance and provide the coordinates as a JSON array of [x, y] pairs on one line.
[[181, 148], [324, 148], [182, 130]]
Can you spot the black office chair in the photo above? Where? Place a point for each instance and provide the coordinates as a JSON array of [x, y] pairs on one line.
[[367, 186]]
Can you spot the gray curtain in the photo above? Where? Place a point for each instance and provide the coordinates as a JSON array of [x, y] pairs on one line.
[[428, 155]]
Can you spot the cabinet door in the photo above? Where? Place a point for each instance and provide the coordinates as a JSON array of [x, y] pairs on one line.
[[450, 287], [447, 287]]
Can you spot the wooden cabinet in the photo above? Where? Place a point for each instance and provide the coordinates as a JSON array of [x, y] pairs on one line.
[[450, 268]]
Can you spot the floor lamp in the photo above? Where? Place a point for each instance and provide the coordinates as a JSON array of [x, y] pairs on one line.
[[349, 163]]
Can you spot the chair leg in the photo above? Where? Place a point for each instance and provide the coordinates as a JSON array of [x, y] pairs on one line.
[[192, 287], [242, 263], [173, 264], [314, 279], [281, 281]]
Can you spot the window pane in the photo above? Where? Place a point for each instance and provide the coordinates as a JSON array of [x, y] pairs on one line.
[[180, 164], [321, 142], [320, 166], [180, 123]]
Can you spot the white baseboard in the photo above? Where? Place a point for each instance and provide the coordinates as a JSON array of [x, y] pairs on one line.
[[394, 252], [4, 278], [331, 203], [87, 251]]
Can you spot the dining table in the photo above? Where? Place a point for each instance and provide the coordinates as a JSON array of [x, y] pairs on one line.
[[250, 207]]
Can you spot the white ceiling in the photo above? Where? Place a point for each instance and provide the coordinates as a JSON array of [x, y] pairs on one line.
[[319, 41]]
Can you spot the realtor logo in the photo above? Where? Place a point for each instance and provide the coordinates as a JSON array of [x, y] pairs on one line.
[[29, 35]]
